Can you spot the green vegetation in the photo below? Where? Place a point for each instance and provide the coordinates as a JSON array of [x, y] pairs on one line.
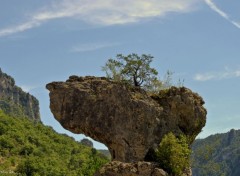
[[28, 148], [11, 108], [105, 153], [133, 69], [217, 155], [173, 154], [136, 70]]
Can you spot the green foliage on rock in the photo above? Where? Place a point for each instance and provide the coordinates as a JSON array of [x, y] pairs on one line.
[[31, 149], [136, 70], [133, 69], [173, 154]]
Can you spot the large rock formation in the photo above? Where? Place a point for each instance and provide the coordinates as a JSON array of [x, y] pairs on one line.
[[126, 119], [14, 101]]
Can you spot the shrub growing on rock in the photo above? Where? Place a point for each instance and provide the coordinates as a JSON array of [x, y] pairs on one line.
[[173, 154]]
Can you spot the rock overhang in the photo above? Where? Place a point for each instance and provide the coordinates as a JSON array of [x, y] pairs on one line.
[[126, 119]]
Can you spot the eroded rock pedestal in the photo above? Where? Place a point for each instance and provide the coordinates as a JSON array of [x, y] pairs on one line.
[[126, 119]]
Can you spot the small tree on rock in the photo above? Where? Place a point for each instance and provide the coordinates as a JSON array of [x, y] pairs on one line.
[[132, 68]]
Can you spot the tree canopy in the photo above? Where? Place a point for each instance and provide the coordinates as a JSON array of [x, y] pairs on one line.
[[136, 70], [133, 69], [32, 149]]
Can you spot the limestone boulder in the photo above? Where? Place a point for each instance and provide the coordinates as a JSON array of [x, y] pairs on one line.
[[128, 120]]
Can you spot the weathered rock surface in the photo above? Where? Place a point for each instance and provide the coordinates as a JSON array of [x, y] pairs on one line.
[[14, 101], [141, 168], [126, 119], [117, 168]]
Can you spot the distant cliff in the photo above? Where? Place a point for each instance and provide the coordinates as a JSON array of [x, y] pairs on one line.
[[217, 155], [14, 101]]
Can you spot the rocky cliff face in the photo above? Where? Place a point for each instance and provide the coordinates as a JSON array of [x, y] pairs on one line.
[[126, 119], [16, 102]]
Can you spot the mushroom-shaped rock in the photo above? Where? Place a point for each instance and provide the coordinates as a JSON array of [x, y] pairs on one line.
[[126, 119]]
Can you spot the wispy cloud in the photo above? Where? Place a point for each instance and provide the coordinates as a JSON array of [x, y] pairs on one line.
[[237, 24], [226, 74], [92, 46], [223, 14], [19, 28], [107, 12]]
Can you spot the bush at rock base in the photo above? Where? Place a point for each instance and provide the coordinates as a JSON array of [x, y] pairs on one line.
[[173, 154]]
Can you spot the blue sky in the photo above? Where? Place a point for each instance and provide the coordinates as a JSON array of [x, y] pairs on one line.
[[199, 40]]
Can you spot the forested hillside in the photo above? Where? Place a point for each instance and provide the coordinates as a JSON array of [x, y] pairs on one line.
[[217, 155], [30, 148]]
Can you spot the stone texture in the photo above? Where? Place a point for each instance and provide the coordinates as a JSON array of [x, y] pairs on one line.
[[126, 119], [117, 168], [14, 101]]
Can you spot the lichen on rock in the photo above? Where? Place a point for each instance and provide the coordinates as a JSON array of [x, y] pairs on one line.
[[128, 120]]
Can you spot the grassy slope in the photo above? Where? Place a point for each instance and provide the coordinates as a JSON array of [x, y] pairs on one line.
[[30, 148]]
